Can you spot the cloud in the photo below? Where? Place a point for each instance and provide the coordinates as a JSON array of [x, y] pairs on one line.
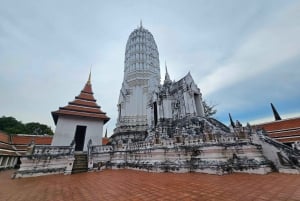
[[274, 43], [46, 51]]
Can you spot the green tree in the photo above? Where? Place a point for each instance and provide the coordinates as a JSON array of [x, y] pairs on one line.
[[12, 126], [36, 128], [209, 110]]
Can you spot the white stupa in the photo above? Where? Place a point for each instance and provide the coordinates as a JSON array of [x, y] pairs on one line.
[[141, 78]]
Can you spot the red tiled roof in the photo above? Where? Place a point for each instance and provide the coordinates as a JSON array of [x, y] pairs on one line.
[[4, 137], [286, 130], [81, 109], [17, 144], [88, 87], [280, 124], [105, 141], [84, 96], [84, 105], [284, 133], [27, 139]]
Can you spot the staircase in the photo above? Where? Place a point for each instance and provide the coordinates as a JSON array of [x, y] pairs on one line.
[[80, 163], [285, 158]]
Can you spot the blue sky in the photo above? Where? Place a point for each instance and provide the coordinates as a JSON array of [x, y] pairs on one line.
[[242, 54]]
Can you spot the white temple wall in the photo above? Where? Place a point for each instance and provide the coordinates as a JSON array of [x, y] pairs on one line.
[[141, 78], [134, 108], [150, 116], [189, 106], [198, 105], [66, 127], [167, 108], [166, 157]]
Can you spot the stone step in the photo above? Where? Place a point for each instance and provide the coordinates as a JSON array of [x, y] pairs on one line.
[[78, 171], [79, 160], [80, 163]]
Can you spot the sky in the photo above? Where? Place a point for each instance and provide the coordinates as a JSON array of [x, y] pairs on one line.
[[243, 55]]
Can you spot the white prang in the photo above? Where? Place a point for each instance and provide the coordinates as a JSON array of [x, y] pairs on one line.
[[141, 79]]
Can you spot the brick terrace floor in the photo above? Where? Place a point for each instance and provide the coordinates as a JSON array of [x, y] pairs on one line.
[[136, 185]]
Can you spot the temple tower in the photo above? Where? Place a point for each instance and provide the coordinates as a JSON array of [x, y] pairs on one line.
[[141, 79], [81, 120]]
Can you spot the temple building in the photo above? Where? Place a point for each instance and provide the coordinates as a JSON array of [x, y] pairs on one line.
[[143, 102], [81, 120], [160, 128]]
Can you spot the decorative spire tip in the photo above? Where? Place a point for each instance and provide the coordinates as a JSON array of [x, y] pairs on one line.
[[231, 121], [89, 80], [166, 68], [167, 76]]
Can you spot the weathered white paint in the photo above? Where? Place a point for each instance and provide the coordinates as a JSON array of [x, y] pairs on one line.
[[66, 127], [141, 79]]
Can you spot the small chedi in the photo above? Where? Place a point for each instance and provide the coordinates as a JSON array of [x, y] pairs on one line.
[[160, 128]]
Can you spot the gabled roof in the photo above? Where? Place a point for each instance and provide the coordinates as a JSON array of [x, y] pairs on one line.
[[84, 105]]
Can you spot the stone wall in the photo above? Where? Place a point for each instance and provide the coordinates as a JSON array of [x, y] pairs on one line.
[[43, 160], [191, 155]]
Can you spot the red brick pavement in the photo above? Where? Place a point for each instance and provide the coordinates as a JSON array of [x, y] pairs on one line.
[[134, 185]]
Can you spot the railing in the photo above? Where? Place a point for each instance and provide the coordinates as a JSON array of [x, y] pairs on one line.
[[101, 149], [292, 155], [280, 145], [47, 150]]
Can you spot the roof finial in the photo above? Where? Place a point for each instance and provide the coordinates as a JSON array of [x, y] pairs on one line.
[[141, 24], [167, 77], [89, 80], [231, 121], [166, 68], [275, 113]]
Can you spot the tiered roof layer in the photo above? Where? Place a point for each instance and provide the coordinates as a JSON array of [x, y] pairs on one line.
[[84, 105]]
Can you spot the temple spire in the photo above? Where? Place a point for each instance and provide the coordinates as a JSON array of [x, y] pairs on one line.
[[231, 121], [89, 80], [141, 24], [167, 76], [275, 113]]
